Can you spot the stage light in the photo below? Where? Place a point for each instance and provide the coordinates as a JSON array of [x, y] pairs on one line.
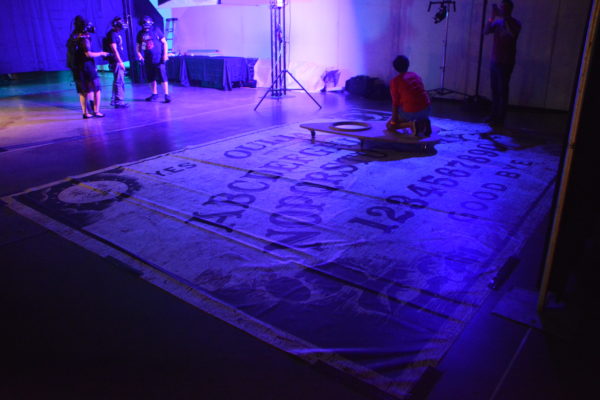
[[441, 14]]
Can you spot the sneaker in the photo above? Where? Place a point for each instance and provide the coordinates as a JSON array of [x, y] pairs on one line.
[[423, 127], [167, 98], [120, 105], [153, 97], [494, 122]]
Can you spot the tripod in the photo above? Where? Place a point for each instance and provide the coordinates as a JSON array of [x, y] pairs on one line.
[[444, 13], [279, 70]]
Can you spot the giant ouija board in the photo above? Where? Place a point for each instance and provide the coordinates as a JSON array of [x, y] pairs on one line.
[[369, 260]]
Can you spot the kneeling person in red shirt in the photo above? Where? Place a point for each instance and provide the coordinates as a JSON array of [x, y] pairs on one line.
[[410, 101]]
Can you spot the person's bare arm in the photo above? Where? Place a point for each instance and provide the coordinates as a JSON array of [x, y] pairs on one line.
[[115, 52], [165, 47], [392, 124], [87, 49], [92, 54], [139, 51]]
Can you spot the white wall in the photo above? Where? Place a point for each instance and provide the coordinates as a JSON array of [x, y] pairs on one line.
[[363, 36], [233, 30]]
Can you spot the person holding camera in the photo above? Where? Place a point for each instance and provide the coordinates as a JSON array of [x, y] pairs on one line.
[[80, 59], [505, 30], [152, 49], [114, 46]]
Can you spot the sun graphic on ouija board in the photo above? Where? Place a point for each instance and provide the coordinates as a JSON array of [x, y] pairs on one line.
[[92, 193]]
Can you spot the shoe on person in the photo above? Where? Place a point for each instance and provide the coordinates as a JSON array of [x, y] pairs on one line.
[[494, 122], [423, 127], [121, 105], [152, 97], [167, 98]]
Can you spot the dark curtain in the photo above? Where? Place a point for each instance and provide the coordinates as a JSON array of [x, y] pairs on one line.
[[34, 32], [142, 8]]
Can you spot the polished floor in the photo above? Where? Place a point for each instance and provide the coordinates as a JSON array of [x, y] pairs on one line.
[[79, 326]]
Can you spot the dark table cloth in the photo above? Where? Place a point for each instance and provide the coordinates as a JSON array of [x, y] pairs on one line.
[[217, 72], [176, 70]]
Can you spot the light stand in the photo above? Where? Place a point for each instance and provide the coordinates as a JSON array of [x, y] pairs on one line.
[[444, 13], [477, 98], [279, 55]]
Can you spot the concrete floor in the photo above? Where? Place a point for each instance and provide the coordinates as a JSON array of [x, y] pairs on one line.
[[78, 326]]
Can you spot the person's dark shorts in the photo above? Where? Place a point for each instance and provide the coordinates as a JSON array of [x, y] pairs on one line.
[[156, 72]]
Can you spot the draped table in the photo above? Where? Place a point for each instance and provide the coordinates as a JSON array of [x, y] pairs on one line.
[[220, 72]]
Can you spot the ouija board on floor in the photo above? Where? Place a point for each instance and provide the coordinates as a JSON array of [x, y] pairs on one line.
[[369, 260]]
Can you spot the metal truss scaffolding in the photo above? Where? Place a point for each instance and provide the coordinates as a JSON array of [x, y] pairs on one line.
[[279, 60]]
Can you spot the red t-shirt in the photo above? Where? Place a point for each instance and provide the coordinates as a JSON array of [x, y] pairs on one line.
[[408, 92]]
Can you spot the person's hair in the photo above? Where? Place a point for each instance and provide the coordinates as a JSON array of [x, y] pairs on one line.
[[401, 64], [509, 4], [79, 24], [82, 25], [117, 23]]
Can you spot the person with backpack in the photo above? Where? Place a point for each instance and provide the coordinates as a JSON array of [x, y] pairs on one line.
[[152, 49], [80, 59], [113, 44]]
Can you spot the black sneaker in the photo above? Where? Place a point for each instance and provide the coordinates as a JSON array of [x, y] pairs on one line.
[[153, 97], [494, 122], [120, 105], [167, 98], [423, 127]]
